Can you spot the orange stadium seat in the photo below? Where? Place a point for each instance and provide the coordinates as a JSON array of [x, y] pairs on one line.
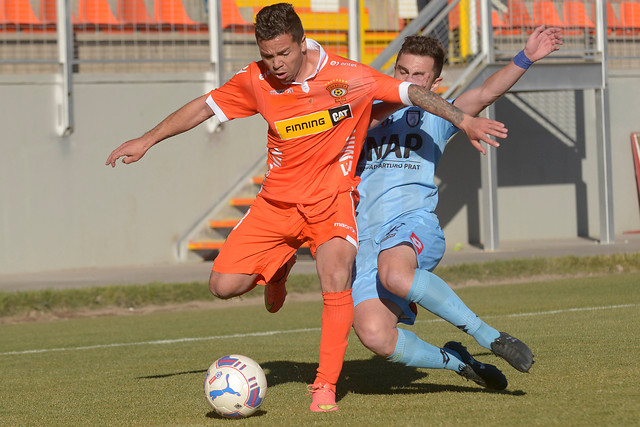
[[96, 14], [134, 12], [48, 11], [517, 16], [232, 18], [501, 26], [19, 15], [545, 12], [3, 20], [454, 16], [19, 12], [613, 23], [172, 14], [497, 22], [630, 18], [576, 18]]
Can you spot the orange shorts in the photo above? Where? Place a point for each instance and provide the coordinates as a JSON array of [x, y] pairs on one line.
[[270, 232]]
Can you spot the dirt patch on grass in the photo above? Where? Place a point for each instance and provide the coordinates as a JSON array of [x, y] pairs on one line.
[[214, 304]]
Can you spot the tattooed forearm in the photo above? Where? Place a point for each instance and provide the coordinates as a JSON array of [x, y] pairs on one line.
[[434, 104]]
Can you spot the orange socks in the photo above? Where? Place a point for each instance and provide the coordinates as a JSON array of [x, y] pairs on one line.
[[337, 319]]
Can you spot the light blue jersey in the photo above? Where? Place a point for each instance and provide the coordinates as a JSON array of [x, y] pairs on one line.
[[398, 197], [397, 168]]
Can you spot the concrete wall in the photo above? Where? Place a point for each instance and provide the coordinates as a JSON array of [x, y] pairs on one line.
[[62, 208], [547, 168]]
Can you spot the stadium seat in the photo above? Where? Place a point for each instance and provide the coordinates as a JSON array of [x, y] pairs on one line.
[[262, 3], [326, 21], [135, 13], [517, 16], [499, 25], [630, 18], [48, 11], [19, 15], [171, 14], [96, 14], [19, 12], [576, 19], [231, 17], [613, 23], [545, 12]]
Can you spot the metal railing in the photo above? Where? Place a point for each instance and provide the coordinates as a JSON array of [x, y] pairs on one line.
[[67, 37]]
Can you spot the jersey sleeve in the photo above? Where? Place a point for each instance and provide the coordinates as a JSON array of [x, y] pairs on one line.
[[236, 98], [391, 89]]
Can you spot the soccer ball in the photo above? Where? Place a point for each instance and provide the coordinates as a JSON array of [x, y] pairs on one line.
[[235, 386]]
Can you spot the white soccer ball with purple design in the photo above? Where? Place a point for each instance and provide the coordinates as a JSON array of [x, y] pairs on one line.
[[235, 386]]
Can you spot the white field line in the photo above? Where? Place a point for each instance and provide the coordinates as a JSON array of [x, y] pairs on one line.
[[293, 331]]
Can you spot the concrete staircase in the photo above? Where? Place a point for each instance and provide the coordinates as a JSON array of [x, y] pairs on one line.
[[208, 242]]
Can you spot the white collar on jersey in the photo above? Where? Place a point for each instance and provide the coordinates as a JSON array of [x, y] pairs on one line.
[[313, 45]]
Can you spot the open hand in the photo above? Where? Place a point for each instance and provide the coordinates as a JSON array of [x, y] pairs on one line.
[[542, 42], [132, 151], [480, 129]]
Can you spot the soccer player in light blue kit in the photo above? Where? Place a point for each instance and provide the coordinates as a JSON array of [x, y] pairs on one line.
[[401, 241]]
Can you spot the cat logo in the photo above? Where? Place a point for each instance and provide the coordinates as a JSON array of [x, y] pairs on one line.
[[340, 113], [313, 123]]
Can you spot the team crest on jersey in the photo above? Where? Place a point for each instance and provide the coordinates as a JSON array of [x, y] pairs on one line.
[[338, 89], [413, 118], [313, 123]]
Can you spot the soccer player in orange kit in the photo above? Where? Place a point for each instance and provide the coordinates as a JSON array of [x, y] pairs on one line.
[[318, 107]]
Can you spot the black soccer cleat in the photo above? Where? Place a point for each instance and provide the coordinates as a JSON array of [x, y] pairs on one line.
[[483, 374], [514, 351]]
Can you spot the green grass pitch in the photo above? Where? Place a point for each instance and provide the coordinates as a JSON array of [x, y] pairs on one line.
[[148, 369]]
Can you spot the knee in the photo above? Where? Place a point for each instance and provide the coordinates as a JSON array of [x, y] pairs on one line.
[[377, 339], [218, 287], [335, 280], [396, 281]]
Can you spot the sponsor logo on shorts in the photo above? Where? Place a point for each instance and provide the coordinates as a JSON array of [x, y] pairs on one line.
[[314, 123], [347, 226], [416, 243]]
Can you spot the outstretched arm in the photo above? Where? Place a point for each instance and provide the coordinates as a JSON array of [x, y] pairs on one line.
[[477, 129], [541, 43], [185, 118]]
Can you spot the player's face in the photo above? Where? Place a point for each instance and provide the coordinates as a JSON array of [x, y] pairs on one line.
[[283, 56], [417, 70]]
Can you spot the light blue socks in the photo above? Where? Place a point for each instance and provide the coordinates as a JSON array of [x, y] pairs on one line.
[[412, 351], [433, 294]]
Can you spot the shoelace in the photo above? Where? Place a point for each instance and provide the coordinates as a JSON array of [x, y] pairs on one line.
[[313, 388]]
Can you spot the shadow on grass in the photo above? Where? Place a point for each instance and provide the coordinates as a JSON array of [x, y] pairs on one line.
[[214, 415], [372, 376]]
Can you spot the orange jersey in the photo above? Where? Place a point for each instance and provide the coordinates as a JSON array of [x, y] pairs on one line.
[[316, 128]]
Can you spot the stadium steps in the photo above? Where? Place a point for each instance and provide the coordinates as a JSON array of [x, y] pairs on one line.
[[208, 243]]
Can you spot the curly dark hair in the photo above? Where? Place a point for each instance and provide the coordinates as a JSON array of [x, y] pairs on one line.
[[276, 20], [425, 46]]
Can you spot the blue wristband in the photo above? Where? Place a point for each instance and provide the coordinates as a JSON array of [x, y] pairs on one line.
[[521, 60]]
